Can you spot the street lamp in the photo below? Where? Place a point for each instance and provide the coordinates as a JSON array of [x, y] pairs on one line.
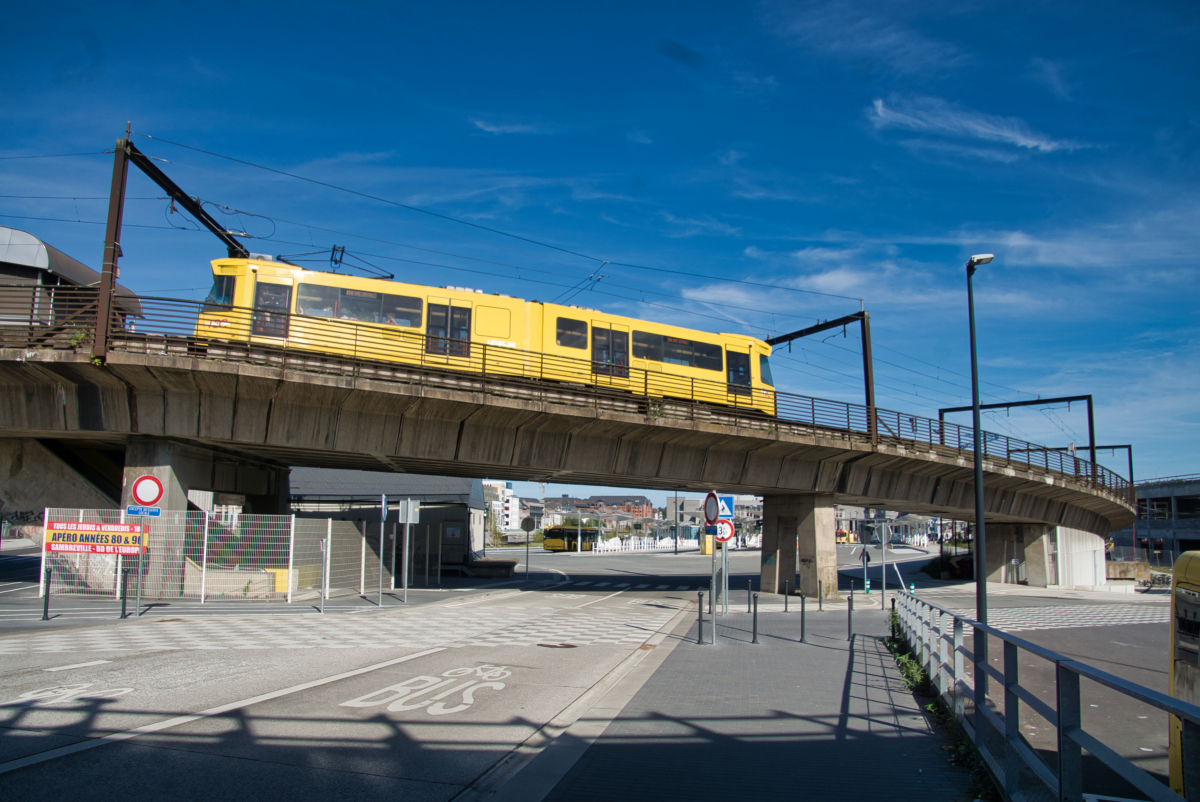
[[980, 542]]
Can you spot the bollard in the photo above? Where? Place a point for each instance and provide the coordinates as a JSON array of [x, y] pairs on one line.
[[46, 598], [749, 591], [700, 624], [802, 619], [850, 617], [785, 595], [820, 596], [124, 592], [755, 639]]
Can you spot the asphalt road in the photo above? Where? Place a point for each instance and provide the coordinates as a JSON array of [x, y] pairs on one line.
[[298, 703]]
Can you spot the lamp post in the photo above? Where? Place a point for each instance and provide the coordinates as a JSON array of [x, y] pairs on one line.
[[980, 542]]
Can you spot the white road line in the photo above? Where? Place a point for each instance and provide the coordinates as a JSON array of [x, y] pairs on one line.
[[683, 587], [489, 598], [624, 585], [639, 587], [78, 665], [603, 584], [581, 584], [662, 587], [602, 598], [14, 590], [63, 751]]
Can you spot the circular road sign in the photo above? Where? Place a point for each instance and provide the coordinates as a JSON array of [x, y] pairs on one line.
[[712, 508], [724, 531], [147, 490], [528, 525]]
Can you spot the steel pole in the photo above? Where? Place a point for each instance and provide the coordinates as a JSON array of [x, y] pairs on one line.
[[109, 269], [980, 547], [46, 577]]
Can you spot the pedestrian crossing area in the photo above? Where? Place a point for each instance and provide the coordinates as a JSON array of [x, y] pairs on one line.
[[628, 586], [510, 625], [1025, 619]]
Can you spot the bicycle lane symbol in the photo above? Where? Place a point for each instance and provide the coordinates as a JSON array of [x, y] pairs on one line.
[[64, 694], [415, 693]]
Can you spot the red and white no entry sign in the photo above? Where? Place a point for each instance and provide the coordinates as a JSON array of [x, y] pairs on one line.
[[712, 508], [147, 490], [724, 530]]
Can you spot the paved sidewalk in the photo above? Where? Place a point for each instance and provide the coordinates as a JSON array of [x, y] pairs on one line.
[[776, 720]]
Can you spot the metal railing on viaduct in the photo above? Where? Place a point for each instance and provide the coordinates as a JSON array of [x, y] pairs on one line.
[[66, 318]]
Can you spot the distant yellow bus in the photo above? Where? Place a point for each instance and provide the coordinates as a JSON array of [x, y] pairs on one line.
[[1184, 674], [568, 538], [255, 301]]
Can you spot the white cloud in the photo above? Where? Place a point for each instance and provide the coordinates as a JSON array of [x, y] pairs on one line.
[[693, 226], [1050, 74], [509, 128], [954, 152], [849, 30], [934, 115]]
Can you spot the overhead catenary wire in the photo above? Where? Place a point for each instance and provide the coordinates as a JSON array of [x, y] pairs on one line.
[[499, 232]]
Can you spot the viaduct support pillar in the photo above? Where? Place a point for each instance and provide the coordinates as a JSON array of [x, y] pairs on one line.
[[799, 532], [181, 468]]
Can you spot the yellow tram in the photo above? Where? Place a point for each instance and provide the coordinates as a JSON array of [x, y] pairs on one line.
[[258, 301], [1183, 677], [570, 538]]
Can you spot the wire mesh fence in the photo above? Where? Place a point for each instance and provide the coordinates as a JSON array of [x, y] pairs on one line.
[[210, 557]]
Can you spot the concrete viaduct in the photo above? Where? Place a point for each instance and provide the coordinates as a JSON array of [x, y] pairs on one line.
[[236, 426]]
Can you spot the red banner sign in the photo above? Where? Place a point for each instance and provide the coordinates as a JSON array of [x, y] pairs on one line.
[[94, 538]]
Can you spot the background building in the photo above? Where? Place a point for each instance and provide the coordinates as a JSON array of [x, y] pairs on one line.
[[450, 506]]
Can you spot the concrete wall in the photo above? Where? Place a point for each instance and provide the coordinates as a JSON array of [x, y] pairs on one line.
[[32, 479]]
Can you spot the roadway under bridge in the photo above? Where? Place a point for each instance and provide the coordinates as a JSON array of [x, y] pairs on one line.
[[237, 424]]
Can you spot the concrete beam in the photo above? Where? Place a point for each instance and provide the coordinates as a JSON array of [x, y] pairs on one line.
[[472, 426]]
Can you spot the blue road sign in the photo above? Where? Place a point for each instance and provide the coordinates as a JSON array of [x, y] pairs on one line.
[[726, 506], [152, 512]]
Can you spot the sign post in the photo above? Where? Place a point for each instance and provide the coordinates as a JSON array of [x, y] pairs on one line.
[[383, 514], [528, 525], [147, 490]]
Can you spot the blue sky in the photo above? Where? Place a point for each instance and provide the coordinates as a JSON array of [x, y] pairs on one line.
[[861, 150]]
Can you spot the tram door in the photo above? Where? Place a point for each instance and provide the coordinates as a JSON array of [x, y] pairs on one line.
[[272, 308], [610, 354], [448, 331], [737, 369]]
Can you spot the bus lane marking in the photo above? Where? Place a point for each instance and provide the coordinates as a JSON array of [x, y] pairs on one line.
[[92, 743], [400, 696]]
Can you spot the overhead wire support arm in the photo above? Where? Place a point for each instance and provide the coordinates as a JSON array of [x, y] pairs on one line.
[[1092, 447], [143, 163], [863, 318], [124, 154]]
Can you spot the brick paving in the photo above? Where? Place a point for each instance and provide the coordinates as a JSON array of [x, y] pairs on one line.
[[772, 721]]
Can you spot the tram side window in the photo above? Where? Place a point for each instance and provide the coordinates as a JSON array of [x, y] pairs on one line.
[[764, 370], [571, 333], [272, 302], [449, 330], [359, 305], [401, 310], [316, 300], [221, 293], [648, 346], [739, 368], [707, 356], [676, 351]]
